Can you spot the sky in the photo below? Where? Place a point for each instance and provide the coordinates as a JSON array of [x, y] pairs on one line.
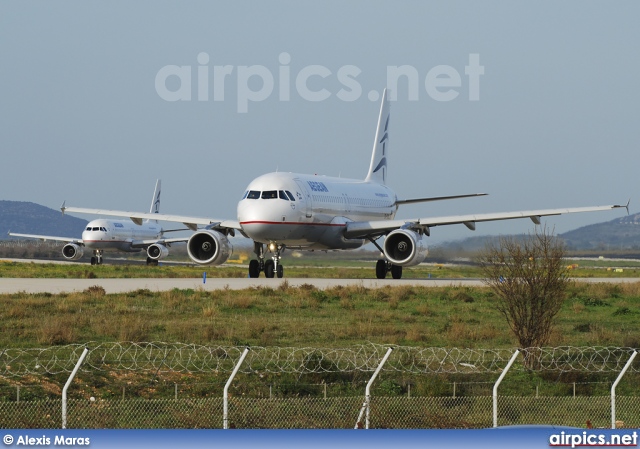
[[534, 103]]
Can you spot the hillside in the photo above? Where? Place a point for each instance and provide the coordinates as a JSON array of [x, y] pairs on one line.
[[620, 233], [30, 218], [617, 234]]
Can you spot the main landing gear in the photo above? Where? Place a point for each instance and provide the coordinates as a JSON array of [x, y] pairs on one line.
[[153, 262], [96, 259], [383, 267], [271, 268]]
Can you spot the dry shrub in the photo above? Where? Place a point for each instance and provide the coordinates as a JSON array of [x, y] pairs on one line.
[[601, 336], [132, 328], [16, 311], [267, 292], [379, 295], [57, 331], [95, 291], [353, 291], [415, 334], [403, 293], [631, 289], [556, 337], [631, 340], [239, 302], [347, 304], [424, 309], [284, 286], [339, 291], [210, 311], [459, 333], [212, 333], [173, 299], [577, 307], [603, 291]]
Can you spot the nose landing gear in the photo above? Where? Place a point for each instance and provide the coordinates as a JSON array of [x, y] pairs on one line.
[[96, 259], [271, 268]]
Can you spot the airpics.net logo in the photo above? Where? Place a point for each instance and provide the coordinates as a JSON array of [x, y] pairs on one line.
[[255, 83]]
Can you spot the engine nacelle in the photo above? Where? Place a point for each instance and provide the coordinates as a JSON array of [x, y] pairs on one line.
[[209, 247], [405, 248], [72, 251], [157, 251]]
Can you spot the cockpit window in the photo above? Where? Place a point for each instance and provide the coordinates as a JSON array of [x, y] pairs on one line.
[[269, 194], [245, 194], [282, 195], [95, 229], [253, 195], [291, 197], [88, 228], [103, 229]]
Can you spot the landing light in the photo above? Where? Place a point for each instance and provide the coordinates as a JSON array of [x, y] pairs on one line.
[[272, 247]]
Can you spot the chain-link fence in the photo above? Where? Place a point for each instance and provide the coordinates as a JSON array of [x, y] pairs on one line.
[[159, 385], [320, 413]]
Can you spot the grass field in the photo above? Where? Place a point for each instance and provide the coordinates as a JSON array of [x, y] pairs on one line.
[[450, 317]]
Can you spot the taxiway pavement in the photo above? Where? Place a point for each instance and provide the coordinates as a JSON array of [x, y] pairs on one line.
[[31, 285]]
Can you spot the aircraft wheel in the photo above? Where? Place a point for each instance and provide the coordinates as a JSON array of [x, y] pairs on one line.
[[254, 269], [93, 260], [280, 270], [381, 269], [396, 271], [269, 268]]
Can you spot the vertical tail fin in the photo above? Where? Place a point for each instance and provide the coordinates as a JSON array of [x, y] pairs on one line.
[[378, 168], [155, 201]]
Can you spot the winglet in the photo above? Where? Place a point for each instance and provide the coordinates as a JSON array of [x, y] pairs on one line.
[[63, 207], [626, 206]]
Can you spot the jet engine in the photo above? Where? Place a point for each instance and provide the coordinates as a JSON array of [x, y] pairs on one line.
[[405, 248], [157, 251], [72, 251], [209, 247]]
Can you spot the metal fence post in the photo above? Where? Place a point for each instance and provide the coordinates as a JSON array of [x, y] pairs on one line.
[[225, 399], [613, 389], [495, 387], [66, 387], [367, 395]]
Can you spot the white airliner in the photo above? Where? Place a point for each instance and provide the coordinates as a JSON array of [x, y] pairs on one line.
[[289, 210], [117, 235]]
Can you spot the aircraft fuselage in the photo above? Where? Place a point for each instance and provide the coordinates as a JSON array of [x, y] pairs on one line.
[[118, 235], [309, 211]]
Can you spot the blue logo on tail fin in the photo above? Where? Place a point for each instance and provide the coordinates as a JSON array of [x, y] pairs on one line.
[[383, 163]]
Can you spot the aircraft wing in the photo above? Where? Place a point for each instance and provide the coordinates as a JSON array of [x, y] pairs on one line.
[[137, 217], [44, 238], [363, 229], [438, 198]]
